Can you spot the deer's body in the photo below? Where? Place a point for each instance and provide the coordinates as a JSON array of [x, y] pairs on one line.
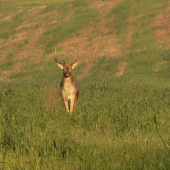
[[69, 87], [69, 91]]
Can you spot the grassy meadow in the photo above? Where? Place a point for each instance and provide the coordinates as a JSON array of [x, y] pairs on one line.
[[122, 119]]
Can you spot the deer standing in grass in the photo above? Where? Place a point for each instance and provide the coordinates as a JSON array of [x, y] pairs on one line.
[[68, 87]]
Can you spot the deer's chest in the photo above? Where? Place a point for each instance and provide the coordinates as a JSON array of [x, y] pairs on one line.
[[67, 91]]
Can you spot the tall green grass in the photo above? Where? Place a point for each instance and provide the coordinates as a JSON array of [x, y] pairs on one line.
[[117, 124]]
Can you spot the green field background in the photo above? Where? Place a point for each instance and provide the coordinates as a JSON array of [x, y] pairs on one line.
[[121, 122]]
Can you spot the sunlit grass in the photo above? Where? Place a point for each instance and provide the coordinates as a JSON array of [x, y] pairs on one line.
[[120, 122]]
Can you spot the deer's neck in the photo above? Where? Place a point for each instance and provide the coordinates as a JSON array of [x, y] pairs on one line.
[[67, 80]]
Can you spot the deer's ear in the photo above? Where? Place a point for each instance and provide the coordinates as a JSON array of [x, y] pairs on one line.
[[74, 65], [60, 66]]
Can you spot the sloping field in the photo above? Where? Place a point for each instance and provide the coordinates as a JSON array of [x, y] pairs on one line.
[[123, 112]]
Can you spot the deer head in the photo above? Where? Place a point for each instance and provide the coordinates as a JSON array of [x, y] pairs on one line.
[[67, 68]]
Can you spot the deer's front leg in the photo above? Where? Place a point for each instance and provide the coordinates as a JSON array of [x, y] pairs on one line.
[[67, 105], [72, 106]]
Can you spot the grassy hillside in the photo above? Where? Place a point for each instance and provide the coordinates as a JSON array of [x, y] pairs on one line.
[[122, 118]]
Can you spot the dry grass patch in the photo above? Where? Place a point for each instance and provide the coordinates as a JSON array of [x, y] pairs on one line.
[[8, 0], [9, 45], [17, 38], [29, 50], [105, 6], [26, 25], [122, 68], [52, 14], [18, 66], [69, 15], [9, 18], [130, 28], [161, 22], [5, 75], [35, 11]]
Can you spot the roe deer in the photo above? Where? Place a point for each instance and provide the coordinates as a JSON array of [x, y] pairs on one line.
[[68, 87]]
